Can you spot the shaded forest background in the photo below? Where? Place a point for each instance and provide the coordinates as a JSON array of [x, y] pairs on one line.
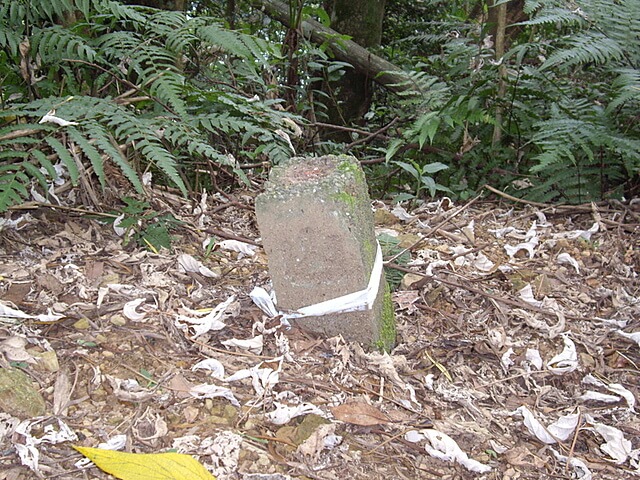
[[537, 98]]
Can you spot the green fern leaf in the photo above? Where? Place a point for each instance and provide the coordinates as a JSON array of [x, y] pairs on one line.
[[627, 88], [13, 155], [552, 16], [51, 10], [9, 38], [90, 151], [168, 86], [586, 47], [35, 172], [122, 12], [107, 144], [158, 155], [45, 162], [56, 43], [65, 157], [238, 44], [12, 188]]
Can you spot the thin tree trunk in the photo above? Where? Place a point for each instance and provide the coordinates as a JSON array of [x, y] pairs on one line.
[[501, 25]]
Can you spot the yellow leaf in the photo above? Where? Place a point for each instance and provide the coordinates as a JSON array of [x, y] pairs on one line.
[[146, 466]]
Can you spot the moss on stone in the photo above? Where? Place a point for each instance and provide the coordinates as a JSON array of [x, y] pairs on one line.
[[387, 336], [351, 165], [347, 199], [369, 250]]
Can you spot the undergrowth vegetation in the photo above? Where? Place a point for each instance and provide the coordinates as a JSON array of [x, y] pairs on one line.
[[102, 92], [555, 118]]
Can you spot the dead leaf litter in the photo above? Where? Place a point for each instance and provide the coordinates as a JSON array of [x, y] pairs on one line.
[[517, 353]]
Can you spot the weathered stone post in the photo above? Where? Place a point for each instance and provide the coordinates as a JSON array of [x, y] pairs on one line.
[[316, 224]]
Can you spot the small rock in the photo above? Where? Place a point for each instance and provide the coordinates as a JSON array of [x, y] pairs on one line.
[[82, 324], [384, 217], [48, 361], [118, 320], [409, 281], [18, 396]]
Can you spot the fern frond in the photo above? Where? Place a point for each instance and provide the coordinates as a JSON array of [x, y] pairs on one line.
[[12, 187], [65, 157], [156, 154], [14, 14], [136, 55], [105, 141], [122, 12], [274, 148], [45, 162], [116, 45], [13, 155], [576, 156], [169, 87], [182, 137], [579, 184], [235, 43], [560, 139], [9, 37], [627, 88], [552, 16], [35, 172], [618, 20], [166, 22], [91, 152], [586, 47], [223, 123], [56, 43], [85, 7], [51, 10]]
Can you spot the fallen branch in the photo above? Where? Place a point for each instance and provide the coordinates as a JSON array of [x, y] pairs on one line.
[[231, 236]]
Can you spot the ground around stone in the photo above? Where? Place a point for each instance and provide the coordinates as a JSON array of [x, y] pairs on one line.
[[507, 315]]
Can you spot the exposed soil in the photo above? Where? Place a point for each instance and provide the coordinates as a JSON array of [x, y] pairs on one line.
[[464, 362]]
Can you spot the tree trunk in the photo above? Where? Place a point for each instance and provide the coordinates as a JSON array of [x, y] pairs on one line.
[[500, 27], [230, 13], [377, 68], [350, 97], [513, 13]]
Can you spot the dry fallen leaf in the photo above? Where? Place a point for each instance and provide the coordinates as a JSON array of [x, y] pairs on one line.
[[359, 414]]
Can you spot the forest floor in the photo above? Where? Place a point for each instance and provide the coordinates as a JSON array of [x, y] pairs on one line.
[[518, 348]]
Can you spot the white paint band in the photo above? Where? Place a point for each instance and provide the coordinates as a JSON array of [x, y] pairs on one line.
[[352, 302]]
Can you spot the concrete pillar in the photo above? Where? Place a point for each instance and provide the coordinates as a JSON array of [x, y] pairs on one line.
[[316, 224]]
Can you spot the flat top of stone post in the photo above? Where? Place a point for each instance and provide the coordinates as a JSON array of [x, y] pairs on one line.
[[298, 171]]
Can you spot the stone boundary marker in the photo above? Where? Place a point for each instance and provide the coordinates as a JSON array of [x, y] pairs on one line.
[[317, 229]]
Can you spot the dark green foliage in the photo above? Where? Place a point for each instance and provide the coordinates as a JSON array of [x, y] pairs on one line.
[[144, 226], [144, 90], [586, 142], [173, 94], [564, 100]]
